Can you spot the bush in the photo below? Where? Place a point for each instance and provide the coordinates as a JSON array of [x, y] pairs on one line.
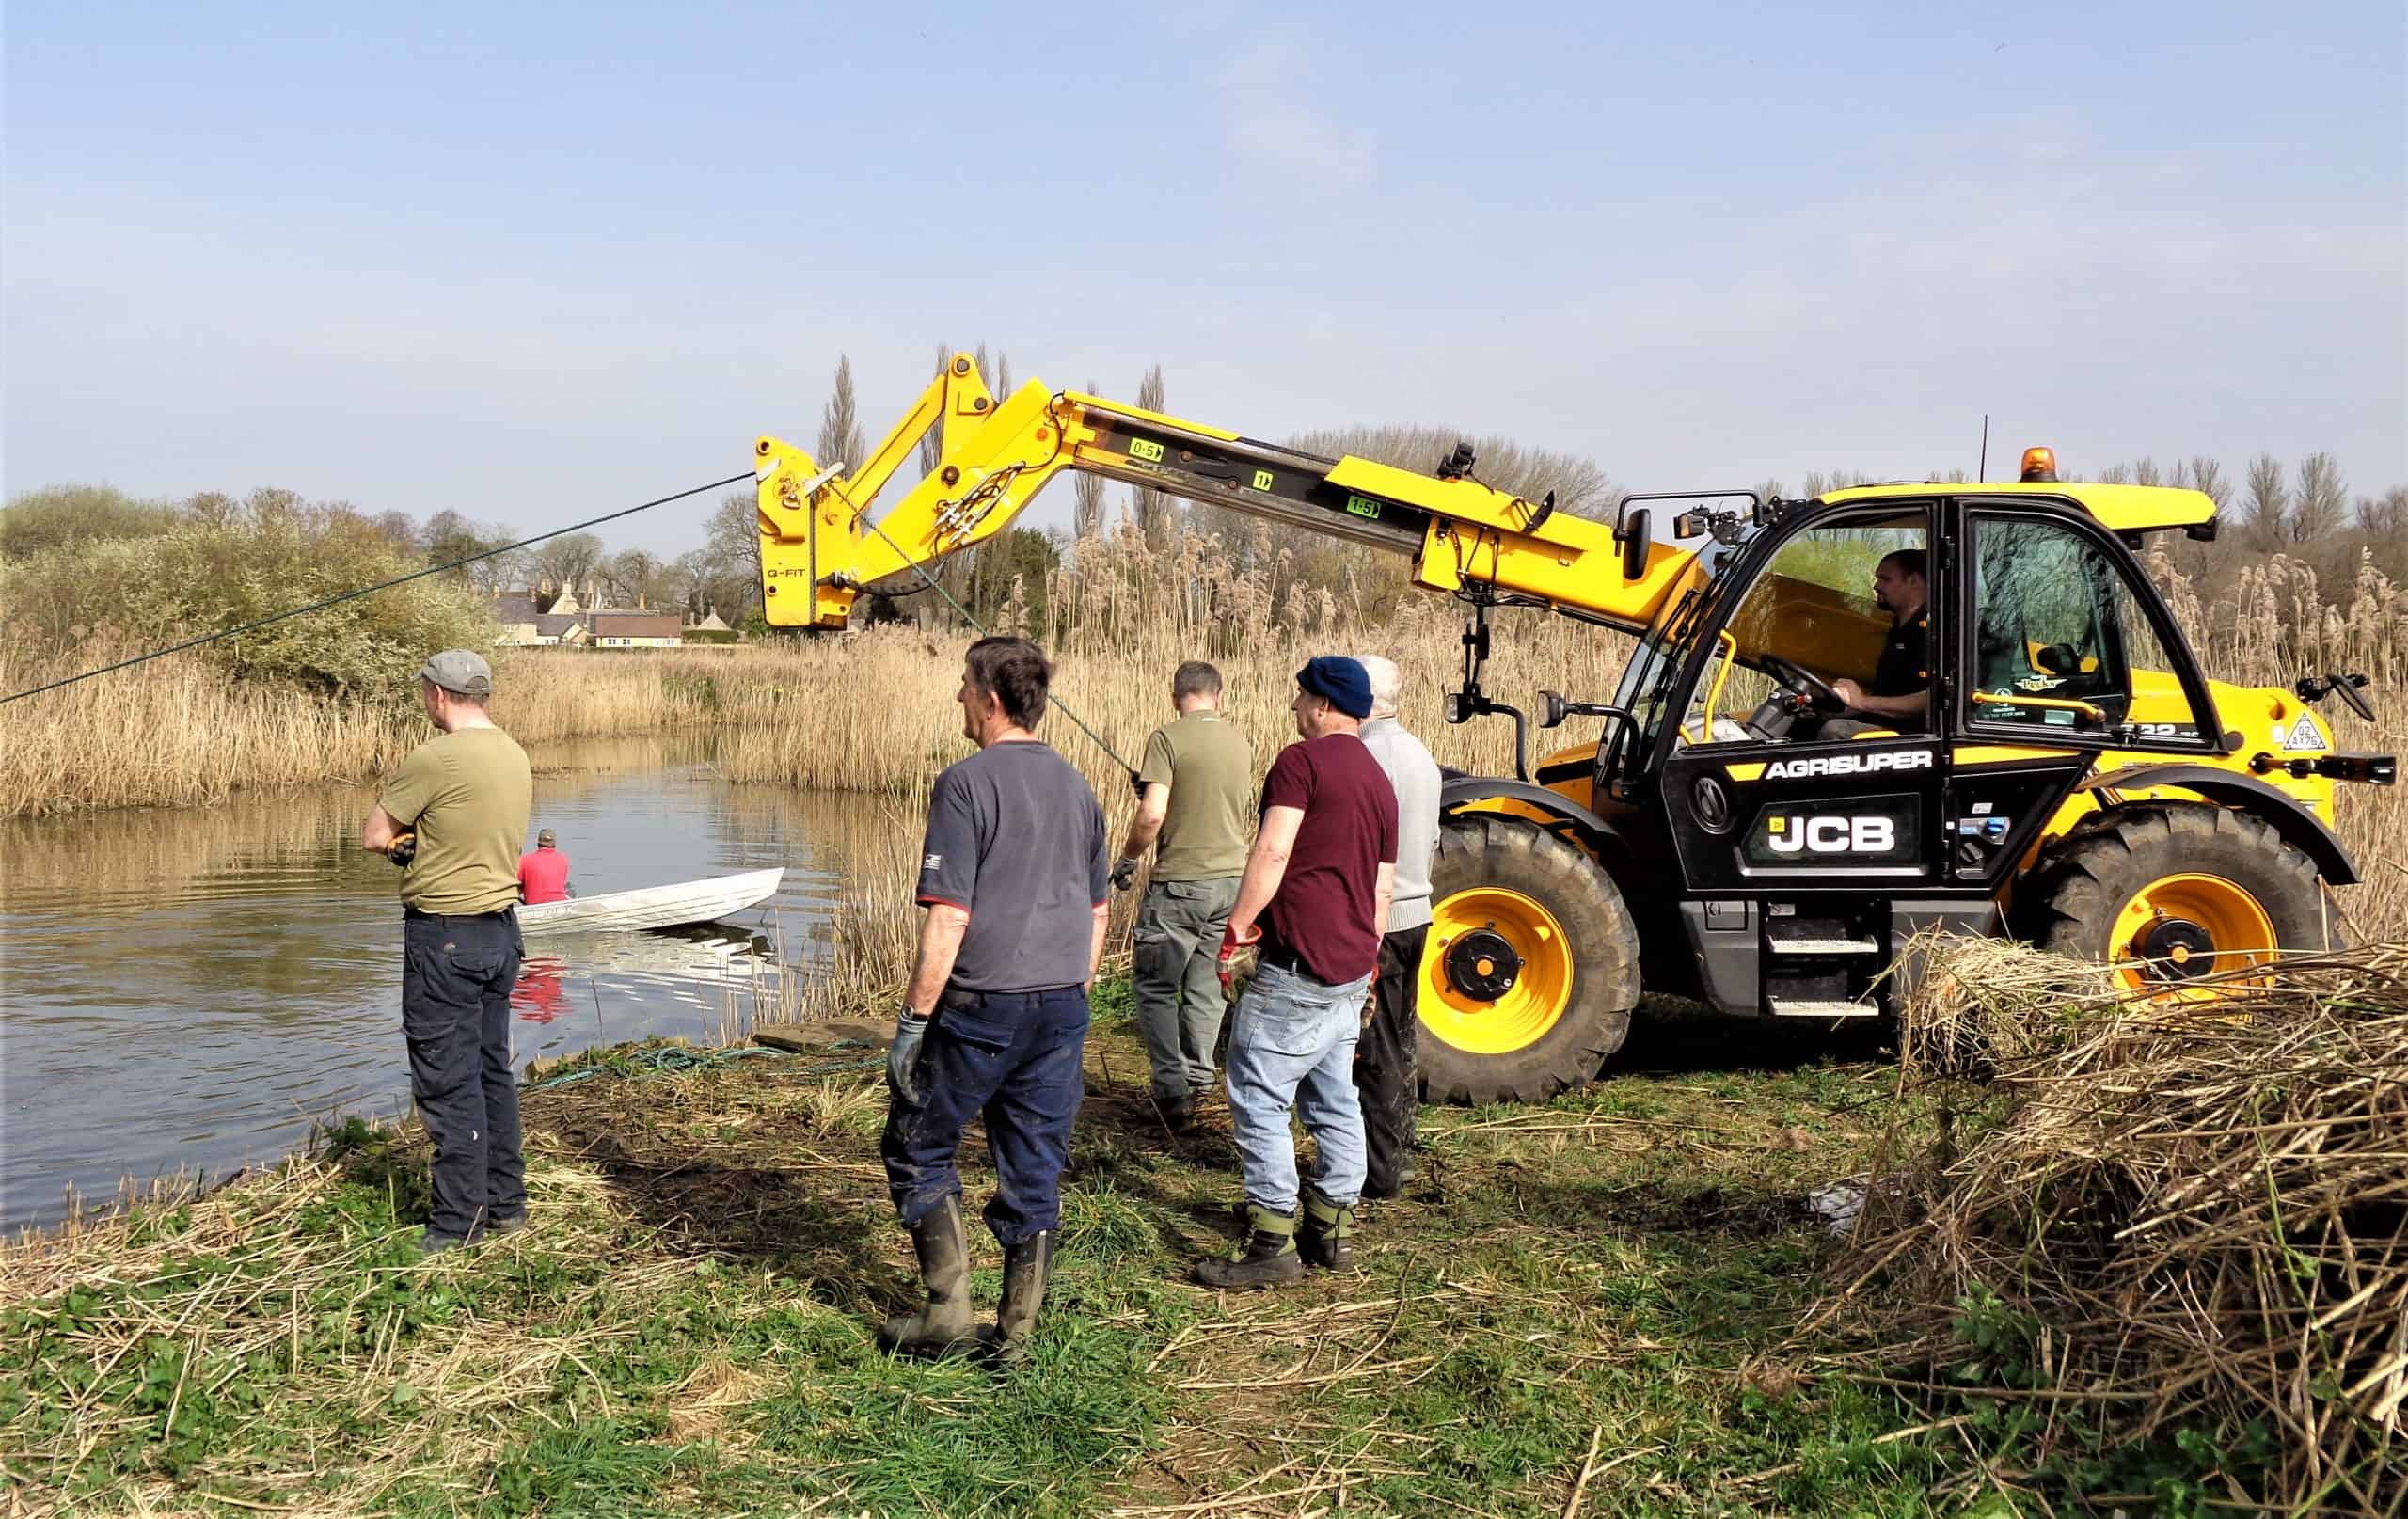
[[216, 570], [56, 515]]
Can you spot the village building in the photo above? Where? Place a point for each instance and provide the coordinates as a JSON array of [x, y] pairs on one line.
[[635, 630], [538, 618]]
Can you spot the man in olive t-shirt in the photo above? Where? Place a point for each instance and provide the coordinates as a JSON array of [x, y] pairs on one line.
[[453, 817], [1194, 788]]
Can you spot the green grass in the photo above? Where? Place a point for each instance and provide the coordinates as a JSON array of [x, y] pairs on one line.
[[1609, 1281]]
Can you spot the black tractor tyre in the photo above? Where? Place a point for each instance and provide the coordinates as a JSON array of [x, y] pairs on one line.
[[2081, 888], [1476, 850]]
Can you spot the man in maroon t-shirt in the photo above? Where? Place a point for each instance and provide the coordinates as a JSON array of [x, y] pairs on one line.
[[1315, 901]]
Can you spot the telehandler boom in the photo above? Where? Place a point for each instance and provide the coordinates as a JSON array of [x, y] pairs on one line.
[[2056, 767]]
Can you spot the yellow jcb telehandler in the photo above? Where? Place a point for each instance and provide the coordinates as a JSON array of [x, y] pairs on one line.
[[2050, 762]]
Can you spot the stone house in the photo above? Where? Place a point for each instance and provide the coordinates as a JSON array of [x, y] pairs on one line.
[[635, 630]]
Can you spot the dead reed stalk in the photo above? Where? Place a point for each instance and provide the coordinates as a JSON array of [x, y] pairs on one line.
[[2183, 1217]]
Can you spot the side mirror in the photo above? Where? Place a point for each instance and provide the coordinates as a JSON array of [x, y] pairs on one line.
[[1455, 707], [1636, 536], [1552, 710]]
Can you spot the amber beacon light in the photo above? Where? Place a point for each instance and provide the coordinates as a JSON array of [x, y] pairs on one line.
[[2039, 464]]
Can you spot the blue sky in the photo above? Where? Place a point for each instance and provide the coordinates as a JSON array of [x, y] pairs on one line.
[[535, 262]]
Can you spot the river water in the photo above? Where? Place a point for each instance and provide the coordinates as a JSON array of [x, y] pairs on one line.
[[186, 991]]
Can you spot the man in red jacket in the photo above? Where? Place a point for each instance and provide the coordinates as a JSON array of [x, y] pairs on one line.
[[542, 872]]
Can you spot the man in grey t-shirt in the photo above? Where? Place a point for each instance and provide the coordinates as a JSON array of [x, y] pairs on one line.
[[1016, 883], [1384, 1060]]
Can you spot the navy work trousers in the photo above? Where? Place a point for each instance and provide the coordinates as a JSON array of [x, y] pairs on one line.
[[1014, 1057], [456, 975]]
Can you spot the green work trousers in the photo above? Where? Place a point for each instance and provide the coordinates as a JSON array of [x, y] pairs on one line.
[[1174, 953]]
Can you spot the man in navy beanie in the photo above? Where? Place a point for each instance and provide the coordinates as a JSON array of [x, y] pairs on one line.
[[1314, 903]]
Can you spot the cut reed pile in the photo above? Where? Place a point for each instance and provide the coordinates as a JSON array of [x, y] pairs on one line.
[[2184, 1226]]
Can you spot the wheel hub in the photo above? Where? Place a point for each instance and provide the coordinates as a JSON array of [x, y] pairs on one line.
[[1481, 965], [2177, 949]]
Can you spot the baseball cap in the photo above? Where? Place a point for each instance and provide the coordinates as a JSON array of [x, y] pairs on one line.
[[544, 838], [462, 671]]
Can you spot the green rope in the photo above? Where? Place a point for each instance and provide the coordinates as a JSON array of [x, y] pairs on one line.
[[655, 1061]]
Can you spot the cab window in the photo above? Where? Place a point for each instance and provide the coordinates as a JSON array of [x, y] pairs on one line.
[[1831, 602], [2060, 642]]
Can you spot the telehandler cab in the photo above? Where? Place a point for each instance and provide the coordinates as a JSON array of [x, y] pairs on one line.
[[2058, 768]]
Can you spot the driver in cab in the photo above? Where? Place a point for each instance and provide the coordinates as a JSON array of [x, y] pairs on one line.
[[1898, 697]]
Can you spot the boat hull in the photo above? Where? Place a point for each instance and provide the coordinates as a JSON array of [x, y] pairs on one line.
[[652, 906]]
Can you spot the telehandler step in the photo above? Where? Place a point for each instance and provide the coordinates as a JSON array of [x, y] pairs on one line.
[[1784, 1008], [1779, 945]]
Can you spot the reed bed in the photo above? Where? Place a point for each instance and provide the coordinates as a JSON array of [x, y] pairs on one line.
[[177, 733], [871, 711], [2182, 1223]]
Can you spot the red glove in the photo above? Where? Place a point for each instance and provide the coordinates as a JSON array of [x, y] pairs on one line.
[[1231, 948]]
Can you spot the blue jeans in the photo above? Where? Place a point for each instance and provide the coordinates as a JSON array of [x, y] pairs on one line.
[[1291, 1040], [1013, 1057]]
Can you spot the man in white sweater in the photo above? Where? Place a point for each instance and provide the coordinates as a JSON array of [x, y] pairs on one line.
[[1384, 1073]]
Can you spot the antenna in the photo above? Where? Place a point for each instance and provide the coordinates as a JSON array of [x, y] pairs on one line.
[[1982, 470]]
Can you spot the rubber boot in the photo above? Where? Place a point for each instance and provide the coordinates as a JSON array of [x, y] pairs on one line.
[[1026, 1266], [1321, 1237], [1269, 1259], [944, 1327]]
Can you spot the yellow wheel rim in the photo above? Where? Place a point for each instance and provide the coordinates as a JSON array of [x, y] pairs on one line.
[[1497, 971], [2181, 929]]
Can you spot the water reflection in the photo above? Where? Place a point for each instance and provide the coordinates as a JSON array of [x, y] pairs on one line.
[[186, 989]]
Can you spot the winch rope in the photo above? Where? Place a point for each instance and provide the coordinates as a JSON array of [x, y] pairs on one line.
[[964, 613], [372, 590]]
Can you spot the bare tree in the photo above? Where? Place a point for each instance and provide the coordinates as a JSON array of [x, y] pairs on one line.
[[1153, 507], [2322, 503], [686, 581], [2116, 474], [735, 546], [569, 560], [634, 577], [1580, 484], [2147, 473], [1086, 500], [840, 429], [932, 441], [2206, 478], [2263, 514], [399, 527], [2386, 516]]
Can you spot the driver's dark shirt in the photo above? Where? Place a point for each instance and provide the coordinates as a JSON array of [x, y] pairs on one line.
[[1903, 667]]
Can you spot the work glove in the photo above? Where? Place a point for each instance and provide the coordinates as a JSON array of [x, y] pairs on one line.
[[1238, 959], [1124, 875], [1137, 784], [403, 849], [903, 1056]]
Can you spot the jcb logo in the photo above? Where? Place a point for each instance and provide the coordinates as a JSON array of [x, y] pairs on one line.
[[1825, 835]]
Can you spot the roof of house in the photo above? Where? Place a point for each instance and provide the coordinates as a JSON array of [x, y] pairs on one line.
[[635, 625], [515, 607], [552, 626], [710, 623]]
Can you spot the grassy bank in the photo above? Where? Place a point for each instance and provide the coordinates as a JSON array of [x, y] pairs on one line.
[[1593, 1294]]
